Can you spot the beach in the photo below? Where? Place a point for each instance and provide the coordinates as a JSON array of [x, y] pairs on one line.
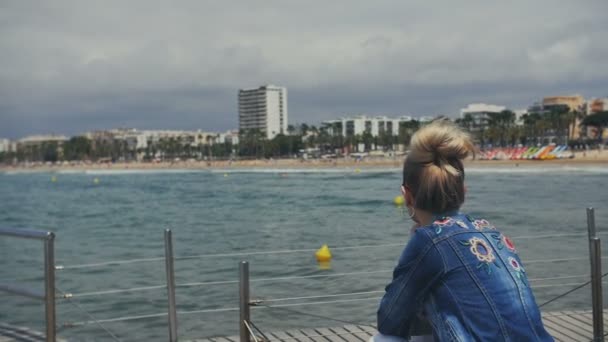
[[591, 158]]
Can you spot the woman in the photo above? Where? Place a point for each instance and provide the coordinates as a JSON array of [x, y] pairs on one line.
[[459, 272]]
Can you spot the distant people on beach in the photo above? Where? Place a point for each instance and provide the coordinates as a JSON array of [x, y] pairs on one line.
[[458, 272]]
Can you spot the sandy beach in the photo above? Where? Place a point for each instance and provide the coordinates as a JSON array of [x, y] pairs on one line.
[[593, 158]]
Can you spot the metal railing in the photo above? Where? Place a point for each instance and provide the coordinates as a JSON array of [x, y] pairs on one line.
[[246, 326], [48, 296], [421, 328]]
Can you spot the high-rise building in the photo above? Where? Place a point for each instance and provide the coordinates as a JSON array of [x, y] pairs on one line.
[[597, 105], [568, 103], [480, 115], [5, 145], [263, 108]]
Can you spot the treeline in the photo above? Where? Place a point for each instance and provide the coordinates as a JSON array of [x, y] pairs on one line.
[[498, 129], [557, 125]]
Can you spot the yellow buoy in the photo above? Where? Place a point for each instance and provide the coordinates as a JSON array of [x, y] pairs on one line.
[[323, 254], [96, 180], [53, 179], [357, 170], [225, 175], [399, 200], [325, 265]]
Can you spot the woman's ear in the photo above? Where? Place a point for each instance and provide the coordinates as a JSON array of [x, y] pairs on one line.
[[407, 196]]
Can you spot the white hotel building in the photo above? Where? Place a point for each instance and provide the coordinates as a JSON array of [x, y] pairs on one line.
[[376, 126], [5, 146], [480, 113], [263, 108]]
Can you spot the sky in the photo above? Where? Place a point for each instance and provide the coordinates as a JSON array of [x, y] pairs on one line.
[[67, 67]]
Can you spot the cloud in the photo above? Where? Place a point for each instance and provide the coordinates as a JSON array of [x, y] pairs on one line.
[[69, 66]]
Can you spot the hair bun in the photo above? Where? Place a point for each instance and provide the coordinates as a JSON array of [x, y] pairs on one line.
[[440, 143]]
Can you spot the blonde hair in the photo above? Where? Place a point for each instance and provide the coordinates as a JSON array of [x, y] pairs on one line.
[[433, 170]]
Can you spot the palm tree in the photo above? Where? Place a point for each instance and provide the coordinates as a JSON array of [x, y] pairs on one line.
[[499, 125], [575, 115], [598, 120]]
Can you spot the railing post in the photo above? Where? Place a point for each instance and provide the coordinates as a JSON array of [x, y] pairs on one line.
[[591, 223], [170, 285], [243, 300], [49, 286], [595, 254]]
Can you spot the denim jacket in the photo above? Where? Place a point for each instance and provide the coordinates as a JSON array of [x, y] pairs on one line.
[[467, 280]]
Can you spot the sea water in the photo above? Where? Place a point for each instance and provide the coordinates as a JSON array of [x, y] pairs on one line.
[[122, 216]]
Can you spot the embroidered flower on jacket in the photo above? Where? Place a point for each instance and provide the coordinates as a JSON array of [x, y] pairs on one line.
[[482, 224], [441, 223], [509, 243], [519, 270], [481, 250], [462, 224], [498, 237], [514, 264]]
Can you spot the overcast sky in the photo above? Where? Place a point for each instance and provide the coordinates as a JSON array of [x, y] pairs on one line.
[[71, 66]]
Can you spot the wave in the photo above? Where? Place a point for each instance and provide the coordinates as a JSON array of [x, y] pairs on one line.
[[537, 170], [307, 170], [23, 172], [140, 171]]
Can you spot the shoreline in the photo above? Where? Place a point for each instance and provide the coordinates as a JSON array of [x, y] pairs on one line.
[[593, 160]]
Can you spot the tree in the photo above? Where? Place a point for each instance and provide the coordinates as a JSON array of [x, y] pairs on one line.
[[598, 120], [575, 115], [499, 125], [77, 148], [406, 130], [531, 127], [367, 139], [304, 129], [50, 151]]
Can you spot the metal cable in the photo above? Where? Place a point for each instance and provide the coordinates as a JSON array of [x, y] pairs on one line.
[[106, 292], [321, 296], [128, 318], [558, 260], [226, 282], [259, 331], [319, 276], [558, 278], [569, 291], [319, 303], [90, 316], [137, 317], [284, 307], [222, 282], [382, 291], [251, 333], [285, 251], [206, 311], [562, 285], [108, 263]]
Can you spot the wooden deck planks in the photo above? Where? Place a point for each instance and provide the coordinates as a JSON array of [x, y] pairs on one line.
[[562, 325]]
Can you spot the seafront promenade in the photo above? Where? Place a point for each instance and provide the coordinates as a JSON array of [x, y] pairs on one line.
[[592, 158]]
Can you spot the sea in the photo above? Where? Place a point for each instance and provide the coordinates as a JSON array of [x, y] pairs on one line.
[[110, 226]]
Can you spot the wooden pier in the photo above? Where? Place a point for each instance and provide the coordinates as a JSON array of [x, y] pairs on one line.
[[562, 325]]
